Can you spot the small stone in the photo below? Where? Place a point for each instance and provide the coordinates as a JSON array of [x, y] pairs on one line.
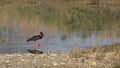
[[55, 64], [53, 55], [62, 63], [93, 63]]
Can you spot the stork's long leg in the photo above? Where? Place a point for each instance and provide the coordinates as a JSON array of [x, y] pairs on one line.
[[35, 45], [39, 45]]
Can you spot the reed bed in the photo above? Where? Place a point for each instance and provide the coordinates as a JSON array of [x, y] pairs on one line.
[[63, 15]]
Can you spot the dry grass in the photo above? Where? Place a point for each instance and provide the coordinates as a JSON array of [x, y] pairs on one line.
[[67, 15], [108, 55]]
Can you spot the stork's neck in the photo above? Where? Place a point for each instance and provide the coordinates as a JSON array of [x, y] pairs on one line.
[[42, 35]]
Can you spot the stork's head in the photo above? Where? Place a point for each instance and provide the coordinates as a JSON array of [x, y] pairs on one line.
[[41, 33]]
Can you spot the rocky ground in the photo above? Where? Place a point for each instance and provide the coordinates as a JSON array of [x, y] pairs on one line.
[[91, 60]]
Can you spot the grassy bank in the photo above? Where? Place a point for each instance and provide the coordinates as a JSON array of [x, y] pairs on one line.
[[98, 50], [106, 55], [65, 15]]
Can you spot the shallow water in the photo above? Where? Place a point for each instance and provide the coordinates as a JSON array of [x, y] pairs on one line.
[[16, 43]]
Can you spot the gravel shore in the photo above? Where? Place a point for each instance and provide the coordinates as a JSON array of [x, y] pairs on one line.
[[28, 60]]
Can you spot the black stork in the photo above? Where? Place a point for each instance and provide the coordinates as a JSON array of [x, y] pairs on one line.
[[35, 38]]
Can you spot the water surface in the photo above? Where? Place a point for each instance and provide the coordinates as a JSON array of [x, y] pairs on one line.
[[16, 42]]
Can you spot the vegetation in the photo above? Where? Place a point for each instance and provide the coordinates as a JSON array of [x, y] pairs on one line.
[[106, 54], [98, 50], [24, 16], [65, 15]]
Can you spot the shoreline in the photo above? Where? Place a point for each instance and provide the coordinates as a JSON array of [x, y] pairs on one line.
[[101, 57]]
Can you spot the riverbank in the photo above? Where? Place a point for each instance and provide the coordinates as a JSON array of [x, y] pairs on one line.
[[95, 58]]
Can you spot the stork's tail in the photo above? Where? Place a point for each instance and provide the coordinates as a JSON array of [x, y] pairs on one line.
[[29, 40]]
